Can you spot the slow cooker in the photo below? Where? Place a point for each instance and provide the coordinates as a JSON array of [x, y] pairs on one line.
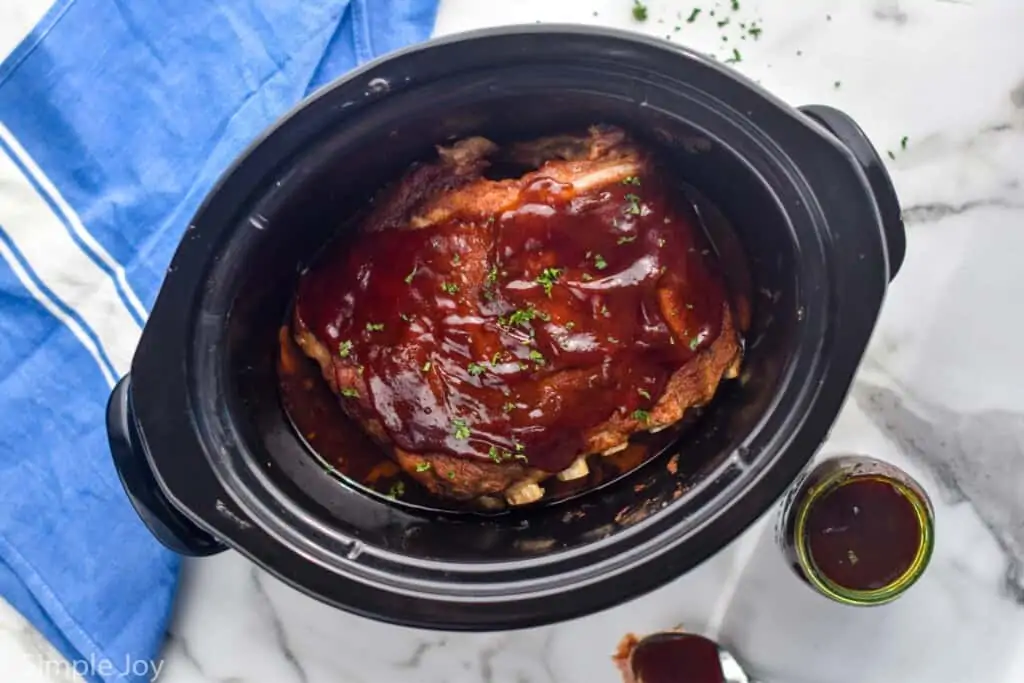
[[210, 462]]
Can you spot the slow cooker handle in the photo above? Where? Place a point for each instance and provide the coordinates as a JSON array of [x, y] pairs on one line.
[[164, 521], [851, 135]]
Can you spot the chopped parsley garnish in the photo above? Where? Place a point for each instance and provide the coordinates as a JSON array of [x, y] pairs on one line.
[[694, 343], [641, 416], [537, 357], [422, 466], [450, 287], [499, 455], [349, 392], [546, 317], [605, 312], [633, 207], [693, 15], [736, 57], [599, 262], [411, 275], [492, 275], [456, 259], [903, 142], [476, 369], [344, 348], [374, 327], [631, 180], [639, 10], [586, 277], [461, 431], [569, 325], [548, 278], [626, 239], [451, 474], [522, 316], [397, 490], [509, 407], [427, 366], [519, 447], [643, 392], [496, 358]]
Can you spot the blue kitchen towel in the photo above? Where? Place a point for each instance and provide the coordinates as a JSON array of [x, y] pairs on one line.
[[116, 116]]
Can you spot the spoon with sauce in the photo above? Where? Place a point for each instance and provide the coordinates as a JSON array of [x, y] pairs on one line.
[[677, 657]]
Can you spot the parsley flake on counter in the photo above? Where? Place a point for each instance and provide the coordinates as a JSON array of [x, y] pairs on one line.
[[736, 57], [349, 392], [475, 369], [450, 287], [754, 31], [890, 154], [374, 327], [643, 392], [693, 15], [641, 416], [548, 278], [599, 262], [422, 466], [411, 275], [837, 84], [903, 142], [735, 5], [397, 490], [639, 10], [344, 348], [461, 431], [723, 23]]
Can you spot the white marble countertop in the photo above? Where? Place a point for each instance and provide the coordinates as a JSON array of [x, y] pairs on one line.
[[939, 394]]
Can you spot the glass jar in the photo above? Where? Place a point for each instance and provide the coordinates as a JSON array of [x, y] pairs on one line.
[[857, 530]]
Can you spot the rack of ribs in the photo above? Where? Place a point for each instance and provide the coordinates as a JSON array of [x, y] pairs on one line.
[[492, 333]]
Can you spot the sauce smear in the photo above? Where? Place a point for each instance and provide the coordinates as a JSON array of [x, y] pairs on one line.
[[863, 535]]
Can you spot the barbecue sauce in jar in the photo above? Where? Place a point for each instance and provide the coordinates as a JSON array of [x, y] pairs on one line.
[[858, 530], [507, 337]]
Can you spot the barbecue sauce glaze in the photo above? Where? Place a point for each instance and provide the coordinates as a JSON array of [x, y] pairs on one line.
[[508, 337]]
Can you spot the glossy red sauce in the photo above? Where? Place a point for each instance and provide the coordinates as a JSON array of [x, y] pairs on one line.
[[676, 658], [466, 350], [863, 535]]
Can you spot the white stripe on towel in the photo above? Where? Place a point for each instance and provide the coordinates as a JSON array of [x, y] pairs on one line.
[[72, 219], [71, 274]]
